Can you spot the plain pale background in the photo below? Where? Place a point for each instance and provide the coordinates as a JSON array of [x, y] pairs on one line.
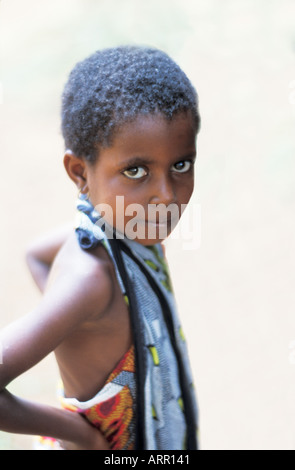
[[236, 291]]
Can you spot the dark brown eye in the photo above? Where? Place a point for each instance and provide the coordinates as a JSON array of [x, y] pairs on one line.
[[135, 172], [183, 166]]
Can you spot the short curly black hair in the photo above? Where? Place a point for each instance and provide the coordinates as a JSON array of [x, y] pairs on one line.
[[115, 85]]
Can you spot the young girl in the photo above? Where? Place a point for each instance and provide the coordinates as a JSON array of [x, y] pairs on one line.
[[129, 120]]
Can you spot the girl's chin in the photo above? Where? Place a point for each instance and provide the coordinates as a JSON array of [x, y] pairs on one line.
[[144, 233], [151, 234], [148, 242]]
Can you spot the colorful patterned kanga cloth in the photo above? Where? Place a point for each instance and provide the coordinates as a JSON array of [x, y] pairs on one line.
[[112, 410]]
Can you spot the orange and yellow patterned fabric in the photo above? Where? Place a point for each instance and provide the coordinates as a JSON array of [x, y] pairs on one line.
[[112, 410], [115, 416]]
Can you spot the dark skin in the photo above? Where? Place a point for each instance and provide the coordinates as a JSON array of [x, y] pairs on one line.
[[82, 316]]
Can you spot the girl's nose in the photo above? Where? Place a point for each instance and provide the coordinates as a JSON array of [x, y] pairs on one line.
[[163, 192]]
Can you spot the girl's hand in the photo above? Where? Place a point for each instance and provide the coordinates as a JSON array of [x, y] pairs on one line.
[[92, 439]]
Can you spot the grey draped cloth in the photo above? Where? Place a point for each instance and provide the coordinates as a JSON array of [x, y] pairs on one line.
[[166, 409]]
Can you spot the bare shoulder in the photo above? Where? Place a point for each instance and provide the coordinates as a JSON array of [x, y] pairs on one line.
[[79, 289], [86, 274]]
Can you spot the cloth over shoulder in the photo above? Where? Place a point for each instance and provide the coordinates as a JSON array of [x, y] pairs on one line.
[[166, 408]]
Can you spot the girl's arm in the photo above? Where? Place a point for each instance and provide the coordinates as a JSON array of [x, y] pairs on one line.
[[41, 252], [30, 418], [69, 301]]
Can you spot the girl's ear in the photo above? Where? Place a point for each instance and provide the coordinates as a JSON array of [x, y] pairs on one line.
[[77, 171]]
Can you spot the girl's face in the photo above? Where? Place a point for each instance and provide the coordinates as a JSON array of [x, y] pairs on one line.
[[146, 172]]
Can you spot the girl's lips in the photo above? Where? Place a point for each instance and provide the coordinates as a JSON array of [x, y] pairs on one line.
[[159, 223]]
